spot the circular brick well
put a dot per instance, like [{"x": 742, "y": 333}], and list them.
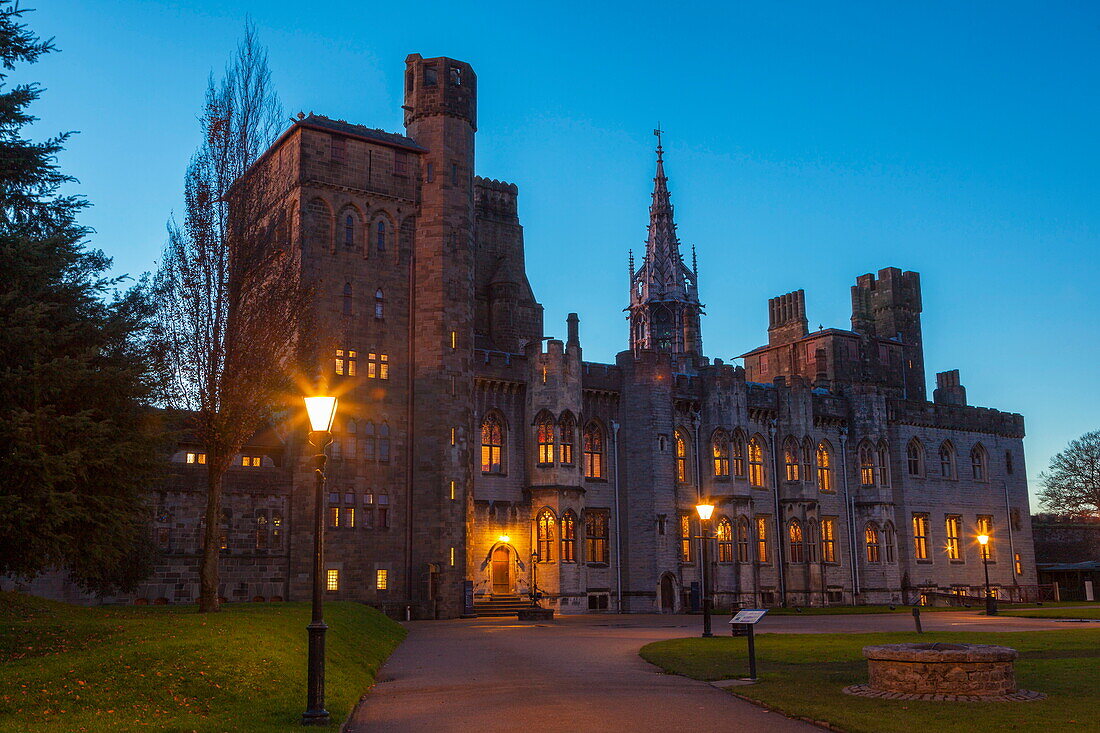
[{"x": 941, "y": 669}]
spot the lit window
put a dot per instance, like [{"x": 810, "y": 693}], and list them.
[
  {"x": 492, "y": 445},
  {"x": 545, "y": 526},
  {"x": 567, "y": 430},
  {"x": 454, "y": 339},
  {"x": 378, "y": 366},
  {"x": 871, "y": 537},
  {"x": 452, "y": 490},
  {"x": 828, "y": 539},
  {"x": 687, "y": 553},
  {"x": 762, "y": 539},
  {"x": 568, "y": 537},
  {"x": 1019, "y": 565},
  {"x": 345, "y": 362},
  {"x": 737, "y": 449},
  {"x": 593, "y": 450},
  {"x": 544, "y": 436},
  {"x": 796, "y": 548},
  {"x": 953, "y": 548},
  {"x": 349, "y": 517},
  {"x": 866, "y": 465},
  {"x": 332, "y": 579},
  {"x": 756, "y": 463},
  {"x": 681, "y": 457},
  {"x": 985, "y": 526},
  {"x": 196, "y": 458},
  {"x": 790, "y": 459},
  {"x": 724, "y": 535},
  {"x": 334, "y": 516},
  {"x": 720, "y": 453},
  {"x": 452, "y": 557},
  {"x": 454, "y": 436},
  {"x": 252, "y": 461},
  {"x": 920, "y": 536},
  {"x": 824, "y": 468},
  {"x": 381, "y": 579}
]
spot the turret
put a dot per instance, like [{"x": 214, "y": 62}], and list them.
[{"x": 889, "y": 307}]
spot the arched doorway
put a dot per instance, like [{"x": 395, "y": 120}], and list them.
[
  {"x": 668, "y": 594},
  {"x": 501, "y": 568}
]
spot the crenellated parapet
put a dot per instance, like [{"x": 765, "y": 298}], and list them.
[{"x": 956, "y": 417}]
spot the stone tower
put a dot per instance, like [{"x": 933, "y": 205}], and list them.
[
  {"x": 441, "y": 116},
  {"x": 664, "y": 295},
  {"x": 889, "y": 307}
]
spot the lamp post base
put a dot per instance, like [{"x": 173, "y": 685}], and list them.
[
  {"x": 990, "y": 606},
  {"x": 315, "y": 717}
]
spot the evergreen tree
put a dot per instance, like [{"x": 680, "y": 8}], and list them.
[{"x": 77, "y": 438}]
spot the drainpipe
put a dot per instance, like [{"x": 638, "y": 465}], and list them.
[
  {"x": 848, "y": 512},
  {"x": 618, "y": 524},
  {"x": 1011, "y": 541},
  {"x": 778, "y": 517}
]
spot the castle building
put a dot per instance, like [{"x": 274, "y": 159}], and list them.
[{"x": 471, "y": 454}]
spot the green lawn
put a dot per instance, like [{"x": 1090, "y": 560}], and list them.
[
  {"x": 803, "y": 674},
  {"x": 1090, "y": 613},
  {"x": 67, "y": 668},
  {"x": 896, "y": 608}
]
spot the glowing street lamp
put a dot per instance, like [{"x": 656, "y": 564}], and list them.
[
  {"x": 321, "y": 410},
  {"x": 705, "y": 511},
  {"x": 990, "y": 599}
]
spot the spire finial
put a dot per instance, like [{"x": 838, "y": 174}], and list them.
[{"x": 657, "y": 132}]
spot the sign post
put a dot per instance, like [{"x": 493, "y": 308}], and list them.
[{"x": 747, "y": 618}]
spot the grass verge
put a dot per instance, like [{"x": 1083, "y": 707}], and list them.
[
  {"x": 897, "y": 608},
  {"x": 803, "y": 674},
  {"x": 69, "y": 668},
  {"x": 1088, "y": 613}
]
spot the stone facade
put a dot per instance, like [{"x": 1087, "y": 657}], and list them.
[{"x": 468, "y": 449}]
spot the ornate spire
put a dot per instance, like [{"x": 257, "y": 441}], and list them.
[{"x": 664, "y": 298}]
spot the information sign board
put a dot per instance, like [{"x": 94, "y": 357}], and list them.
[{"x": 748, "y": 615}]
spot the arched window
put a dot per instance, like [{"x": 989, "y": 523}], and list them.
[
  {"x": 743, "y": 541},
  {"x": 824, "y": 467},
  {"x": 947, "y": 459},
  {"x": 790, "y": 458},
  {"x": 593, "y": 450},
  {"x": 811, "y": 541},
  {"x": 883, "y": 464},
  {"x": 888, "y": 542},
  {"x": 545, "y": 531},
  {"x": 866, "y": 464},
  {"x": 720, "y": 451},
  {"x": 379, "y": 303},
  {"x": 737, "y": 449},
  {"x": 349, "y": 229},
  {"x": 567, "y": 430},
  {"x": 828, "y": 539},
  {"x": 347, "y": 299},
  {"x": 380, "y": 235},
  {"x": 544, "y": 436},
  {"x": 756, "y": 462},
  {"x": 914, "y": 457},
  {"x": 596, "y": 526},
  {"x": 978, "y": 462},
  {"x": 807, "y": 460},
  {"x": 795, "y": 544},
  {"x": 724, "y": 536},
  {"x": 681, "y": 457},
  {"x": 384, "y": 443},
  {"x": 492, "y": 444},
  {"x": 370, "y": 442},
  {"x": 871, "y": 538},
  {"x": 569, "y": 537}
]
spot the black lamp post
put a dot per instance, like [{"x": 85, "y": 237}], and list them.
[
  {"x": 990, "y": 599},
  {"x": 705, "y": 510},
  {"x": 534, "y": 579},
  {"x": 321, "y": 411}
]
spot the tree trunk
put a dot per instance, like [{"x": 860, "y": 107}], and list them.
[{"x": 211, "y": 543}]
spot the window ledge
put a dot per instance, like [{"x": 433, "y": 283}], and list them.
[{"x": 598, "y": 564}]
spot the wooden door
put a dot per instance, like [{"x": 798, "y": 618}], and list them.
[
  {"x": 668, "y": 594},
  {"x": 501, "y": 581}
]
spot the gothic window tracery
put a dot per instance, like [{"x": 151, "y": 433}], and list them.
[
  {"x": 756, "y": 462},
  {"x": 720, "y": 453},
  {"x": 567, "y": 429},
  {"x": 544, "y": 437},
  {"x": 593, "y": 450},
  {"x": 492, "y": 444},
  {"x": 795, "y": 546},
  {"x": 824, "y": 467},
  {"x": 790, "y": 458},
  {"x": 569, "y": 536},
  {"x": 724, "y": 536},
  {"x": 545, "y": 531}
]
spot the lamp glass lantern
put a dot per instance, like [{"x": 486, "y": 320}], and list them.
[
  {"x": 705, "y": 511},
  {"x": 321, "y": 410}
]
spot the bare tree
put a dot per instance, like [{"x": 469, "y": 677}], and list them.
[
  {"x": 1071, "y": 485},
  {"x": 228, "y": 286}
]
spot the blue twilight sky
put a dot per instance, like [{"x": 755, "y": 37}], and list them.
[{"x": 807, "y": 143}]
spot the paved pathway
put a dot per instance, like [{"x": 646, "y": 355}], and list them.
[{"x": 584, "y": 673}]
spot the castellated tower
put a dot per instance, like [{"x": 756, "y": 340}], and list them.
[
  {"x": 889, "y": 307},
  {"x": 441, "y": 116}
]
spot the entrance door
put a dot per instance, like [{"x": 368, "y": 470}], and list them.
[
  {"x": 501, "y": 584},
  {"x": 668, "y": 594}
]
